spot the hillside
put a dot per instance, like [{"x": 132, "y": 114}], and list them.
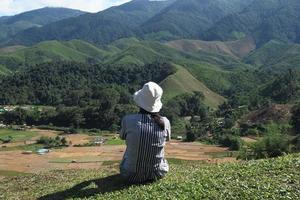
[
  {"x": 264, "y": 179},
  {"x": 51, "y": 51},
  {"x": 183, "y": 82},
  {"x": 189, "y": 18},
  {"x": 12, "y": 25},
  {"x": 263, "y": 20},
  {"x": 276, "y": 56}
]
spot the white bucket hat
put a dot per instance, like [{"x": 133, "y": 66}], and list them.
[{"x": 149, "y": 97}]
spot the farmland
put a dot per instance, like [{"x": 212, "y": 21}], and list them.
[{"x": 82, "y": 154}]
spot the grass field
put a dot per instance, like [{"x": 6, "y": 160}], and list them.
[
  {"x": 264, "y": 179},
  {"x": 28, "y": 147},
  {"x": 17, "y": 136},
  {"x": 115, "y": 141},
  {"x": 7, "y": 173}
]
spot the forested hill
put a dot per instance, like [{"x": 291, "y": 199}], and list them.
[
  {"x": 189, "y": 18},
  {"x": 262, "y": 20},
  {"x": 12, "y": 25}
]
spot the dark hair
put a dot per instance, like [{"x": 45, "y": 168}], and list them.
[{"x": 156, "y": 116}]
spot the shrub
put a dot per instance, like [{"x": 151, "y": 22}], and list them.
[
  {"x": 270, "y": 146},
  {"x": 52, "y": 142},
  {"x": 252, "y": 131},
  {"x": 6, "y": 140},
  {"x": 233, "y": 142},
  {"x": 190, "y": 136}
]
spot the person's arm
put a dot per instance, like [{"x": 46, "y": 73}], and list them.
[
  {"x": 168, "y": 129},
  {"x": 122, "y": 132}
]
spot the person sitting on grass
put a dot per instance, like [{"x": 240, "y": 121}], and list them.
[{"x": 145, "y": 134}]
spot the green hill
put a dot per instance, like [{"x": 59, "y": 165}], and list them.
[
  {"x": 183, "y": 82},
  {"x": 74, "y": 50},
  {"x": 264, "y": 179}
]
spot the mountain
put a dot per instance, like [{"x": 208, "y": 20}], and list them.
[
  {"x": 102, "y": 28},
  {"x": 218, "y": 20},
  {"x": 189, "y": 18},
  {"x": 11, "y": 25},
  {"x": 263, "y": 20}
]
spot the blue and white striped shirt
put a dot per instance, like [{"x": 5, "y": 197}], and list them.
[{"x": 144, "y": 156}]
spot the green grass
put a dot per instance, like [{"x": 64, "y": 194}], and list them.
[
  {"x": 225, "y": 154},
  {"x": 264, "y": 179},
  {"x": 18, "y": 136},
  {"x": 115, "y": 141},
  {"x": 86, "y": 159},
  {"x": 29, "y": 147}
]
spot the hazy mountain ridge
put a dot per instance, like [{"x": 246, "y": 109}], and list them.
[{"x": 11, "y": 25}]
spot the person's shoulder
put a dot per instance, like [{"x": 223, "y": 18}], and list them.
[{"x": 131, "y": 117}]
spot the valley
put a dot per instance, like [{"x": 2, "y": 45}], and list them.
[{"x": 230, "y": 75}]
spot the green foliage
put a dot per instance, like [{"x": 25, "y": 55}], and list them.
[
  {"x": 54, "y": 83},
  {"x": 275, "y": 142},
  {"x": 190, "y": 136},
  {"x": 271, "y": 146},
  {"x": 186, "y": 105}
]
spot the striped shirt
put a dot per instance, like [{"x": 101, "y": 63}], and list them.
[{"x": 145, "y": 140}]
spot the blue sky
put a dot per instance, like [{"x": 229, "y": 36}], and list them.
[{"x": 12, "y": 7}]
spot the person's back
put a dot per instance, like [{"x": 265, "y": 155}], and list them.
[{"x": 145, "y": 134}]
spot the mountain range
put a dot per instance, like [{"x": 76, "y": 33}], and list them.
[{"x": 221, "y": 48}]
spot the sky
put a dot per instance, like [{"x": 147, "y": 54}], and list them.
[{"x": 12, "y": 7}]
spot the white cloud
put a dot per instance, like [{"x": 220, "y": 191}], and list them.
[{"x": 11, "y": 7}]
